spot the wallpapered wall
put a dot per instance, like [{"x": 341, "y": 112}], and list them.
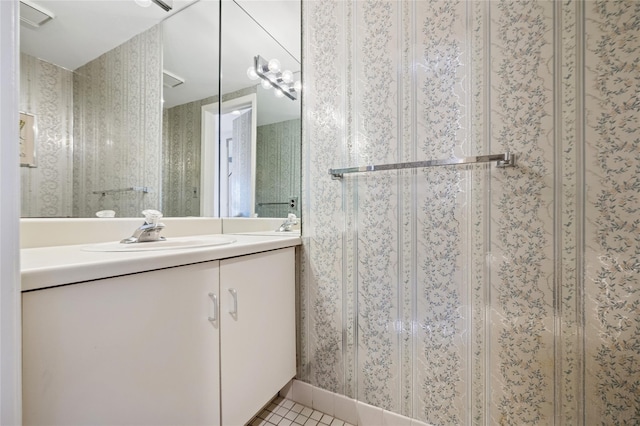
[
  {"x": 117, "y": 130},
  {"x": 474, "y": 295},
  {"x": 46, "y": 91}
]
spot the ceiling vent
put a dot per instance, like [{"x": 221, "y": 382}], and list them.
[
  {"x": 171, "y": 80},
  {"x": 33, "y": 15}
]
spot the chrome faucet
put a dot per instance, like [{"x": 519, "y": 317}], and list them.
[
  {"x": 149, "y": 231},
  {"x": 289, "y": 222}
]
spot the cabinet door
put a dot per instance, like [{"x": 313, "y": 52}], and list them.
[
  {"x": 137, "y": 349},
  {"x": 257, "y": 331}
]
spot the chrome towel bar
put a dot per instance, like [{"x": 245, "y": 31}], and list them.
[
  {"x": 502, "y": 160},
  {"x": 104, "y": 192}
]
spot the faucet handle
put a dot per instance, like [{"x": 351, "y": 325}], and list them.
[
  {"x": 149, "y": 231},
  {"x": 152, "y": 216},
  {"x": 288, "y": 223}
]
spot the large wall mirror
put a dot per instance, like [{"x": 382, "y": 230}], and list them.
[{"x": 131, "y": 113}]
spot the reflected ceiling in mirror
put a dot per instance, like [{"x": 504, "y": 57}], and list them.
[
  {"x": 81, "y": 31},
  {"x": 189, "y": 54}
]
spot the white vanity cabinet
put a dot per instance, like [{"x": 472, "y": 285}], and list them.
[
  {"x": 257, "y": 331},
  {"x": 171, "y": 346}
]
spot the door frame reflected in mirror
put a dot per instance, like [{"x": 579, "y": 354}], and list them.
[{"x": 214, "y": 177}]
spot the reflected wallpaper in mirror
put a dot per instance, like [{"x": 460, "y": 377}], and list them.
[{"x": 99, "y": 107}]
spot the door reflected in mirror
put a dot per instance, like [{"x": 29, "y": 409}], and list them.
[{"x": 238, "y": 153}]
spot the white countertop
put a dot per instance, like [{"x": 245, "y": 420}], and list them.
[{"x": 52, "y": 266}]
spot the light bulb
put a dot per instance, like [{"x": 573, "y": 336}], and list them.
[
  {"x": 265, "y": 84},
  {"x": 298, "y": 86},
  {"x": 143, "y": 3},
  {"x": 278, "y": 93},
  {"x": 287, "y": 76},
  {"x": 252, "y": 74},
  {"x": 274, "y": 65}
]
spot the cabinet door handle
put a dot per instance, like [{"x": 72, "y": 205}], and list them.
[
  {"x": 234, "y": 294},
  {"x": 214, "y": 298}
]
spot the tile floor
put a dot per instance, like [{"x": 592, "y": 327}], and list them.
[{"x": 285, "y": 412}]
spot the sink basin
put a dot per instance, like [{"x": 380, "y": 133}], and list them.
[{"x": 168, "y": 244}]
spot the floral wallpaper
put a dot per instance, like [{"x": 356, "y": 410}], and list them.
[
  {"x": 117, "y": 128},
  {"x": 612, "y": 225},
  {"x": 474, "y": 294},
  {"x": 46, "y": 91},
  {"x": 522, "y": 316}
]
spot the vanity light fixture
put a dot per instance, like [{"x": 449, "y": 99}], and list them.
[
  {"x": 166, "y": 5},
  {"x": 273, "y": 76}
]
